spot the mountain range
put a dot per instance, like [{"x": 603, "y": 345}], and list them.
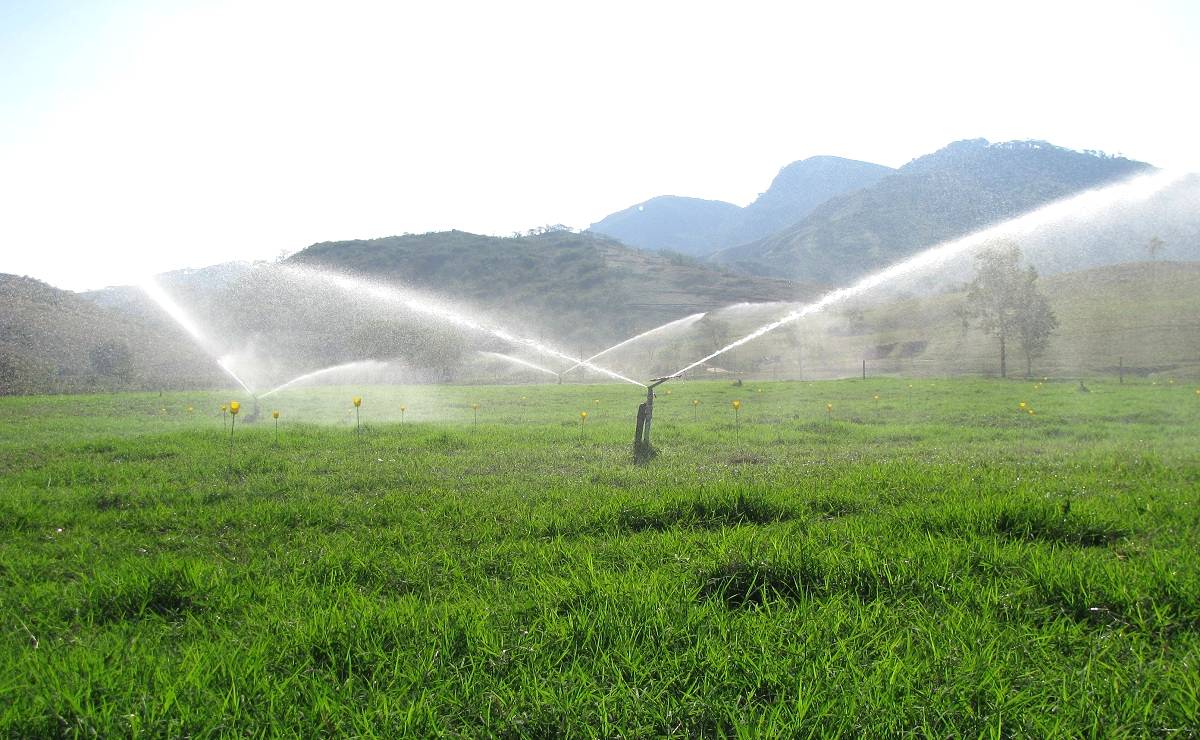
[
  {"x": 697, "y": 227},
  {"x": 829, "y": 220},
  {"x": 956, "y": 190},
  {"x": 823, "y": 222}
]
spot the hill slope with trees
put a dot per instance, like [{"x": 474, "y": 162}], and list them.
[
  {"x": 952, "y": 192},
  {"x": 54, "y": 340},
  {"x": 573, "y": 286}
]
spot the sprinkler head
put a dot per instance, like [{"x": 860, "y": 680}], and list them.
[
  {"x": 737, "y": 405},
  {"x": 583, "y": 415},
  {"x": 357, "y": 401},
  {"x": 234, "y": 406},
  {"x": 274, "y": 414},
  {"x": 660, "y": 381}
]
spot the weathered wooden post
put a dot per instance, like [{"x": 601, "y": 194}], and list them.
[{"x": 643, "y": 450}]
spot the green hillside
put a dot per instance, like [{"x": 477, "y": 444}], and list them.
[
  {"x": 53, "y": 340},
  {"x": 1144, "y": 315},
  {"x": 573, "y": 287},
  {"x": 952, "y": 192}
]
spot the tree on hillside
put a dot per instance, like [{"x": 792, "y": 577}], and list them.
[
  {"x": 1005, "y": 301},
  {"x": 1154, "y": 247},
  {"x": 794, "y": 336},
  {"x": 1035, "y": 320}
]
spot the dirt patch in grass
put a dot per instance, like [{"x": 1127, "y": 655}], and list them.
[{"x": 747, "y": 458}]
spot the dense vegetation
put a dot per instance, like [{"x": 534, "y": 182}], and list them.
[
  {"x": 574, "y": 287},
  {"x": 938, "y": 560}
]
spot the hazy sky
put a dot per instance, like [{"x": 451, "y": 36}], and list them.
[{"x": 146, "y": 136}]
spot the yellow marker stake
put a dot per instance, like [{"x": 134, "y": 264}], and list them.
[
  {"x": 234, "y": 407},
  {"x": 582, "y": 421},
  {"x": 357, "y": 401},
  {"x": 475, "y": 408},
  {"x": 275, "y": 416},
  {"x": 737, "y": 405}
]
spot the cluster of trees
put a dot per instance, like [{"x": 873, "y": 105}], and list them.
[{"x": 1005, "y": 302}]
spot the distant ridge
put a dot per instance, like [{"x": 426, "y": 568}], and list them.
[
  {"x": 951, "y": 192},
  {"x": 698, "y": 227}
]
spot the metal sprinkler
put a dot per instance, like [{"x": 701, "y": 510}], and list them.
[{"x": 642, "y": 449}]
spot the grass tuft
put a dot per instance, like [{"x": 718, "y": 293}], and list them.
[
  {"x": 140, "y": 590},
  {"x": 704, "y": 513},
  {"x": 1046, "y": 523}
]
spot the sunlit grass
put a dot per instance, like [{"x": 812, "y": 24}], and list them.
[{"x": 935, "y": 560}]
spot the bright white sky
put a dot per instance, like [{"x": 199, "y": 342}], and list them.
[{"x": 151, "y": 135}]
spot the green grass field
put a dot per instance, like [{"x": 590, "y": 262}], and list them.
[{"x": 939, "y": 562}]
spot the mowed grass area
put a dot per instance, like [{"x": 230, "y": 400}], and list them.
[{"x": 937, "y": 562}]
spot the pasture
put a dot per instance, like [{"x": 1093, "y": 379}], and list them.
[{"x": 938, "y": 561}]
